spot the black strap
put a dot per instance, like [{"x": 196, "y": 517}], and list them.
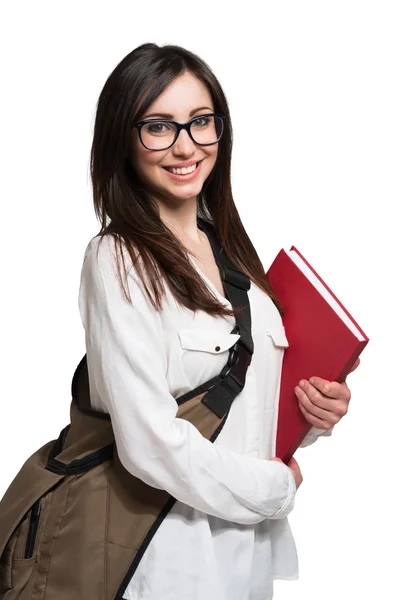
[
  {"x": 236, "y": 284},
  {"x": 232, "y": 378}
]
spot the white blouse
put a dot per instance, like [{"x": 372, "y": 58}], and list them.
[{"x": 227, "y": 537}]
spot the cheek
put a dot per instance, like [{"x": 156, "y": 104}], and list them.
[
  {"x": 210, "y": 161},
  {"x": 145, "y": 162}
]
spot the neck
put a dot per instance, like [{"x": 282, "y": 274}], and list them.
[{"x": 183, "y": 223}]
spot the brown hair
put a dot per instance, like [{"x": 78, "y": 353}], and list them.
[{"x": 127, "y": 211}]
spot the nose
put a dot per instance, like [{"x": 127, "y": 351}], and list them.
[{"x": 183, "y": 144}]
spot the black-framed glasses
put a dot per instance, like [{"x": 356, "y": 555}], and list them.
[{"x": 160, "y": 134}]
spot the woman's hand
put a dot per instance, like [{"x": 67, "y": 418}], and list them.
[
  {"x": 294, "y": 467},
  {"x": 323, "y": 403}
]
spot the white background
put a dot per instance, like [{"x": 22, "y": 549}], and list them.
[{"x": 314, "y": 94}]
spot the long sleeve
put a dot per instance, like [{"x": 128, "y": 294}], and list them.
[
  {"x": 313, "y": 435},
  {"x": 127, "y": 367}
]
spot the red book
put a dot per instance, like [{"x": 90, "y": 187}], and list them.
[{"x": 324, "y": 340}]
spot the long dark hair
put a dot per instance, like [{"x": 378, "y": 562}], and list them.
[{"x": 128, "y": 212}]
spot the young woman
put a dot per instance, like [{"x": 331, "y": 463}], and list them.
[{"x": 158, "y": 324}]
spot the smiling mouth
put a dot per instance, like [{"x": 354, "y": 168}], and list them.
[{"x": 183, "y": 170}]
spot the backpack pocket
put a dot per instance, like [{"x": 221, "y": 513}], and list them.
[{"x": 19, "y": 557}]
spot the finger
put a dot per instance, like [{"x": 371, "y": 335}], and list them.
[
  {"x": 323, "y": 408},
  {"x": 315, "y": 421},
  {"x": 354, "y": 367},
  {"x": 330, "y": 389},
  {"x": 338, "y": 403}
]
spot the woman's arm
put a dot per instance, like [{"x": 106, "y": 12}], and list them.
[{"x": 127, "y": 367}]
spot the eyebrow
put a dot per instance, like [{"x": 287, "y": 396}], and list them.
[{"x": 168, "y": 116}]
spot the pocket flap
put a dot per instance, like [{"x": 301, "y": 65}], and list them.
[
  {"x": 278, "y": 335},
  {"x": 207, "y": 340}
]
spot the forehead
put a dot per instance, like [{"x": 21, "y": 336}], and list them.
[{"x": 183, "y": 94}]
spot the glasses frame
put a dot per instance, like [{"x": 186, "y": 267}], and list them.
[{"x": 179, "y": 127}]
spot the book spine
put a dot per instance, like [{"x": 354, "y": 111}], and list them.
[
  {"x": 295, "y": 444},
  {"x": 344, "y": 366}
]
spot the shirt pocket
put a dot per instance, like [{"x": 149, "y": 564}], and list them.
[
  {"x": 204, "y": 353},
  {"x": 207, "y": 340}
]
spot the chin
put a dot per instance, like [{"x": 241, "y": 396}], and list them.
[{"x": 186, "y": 194}]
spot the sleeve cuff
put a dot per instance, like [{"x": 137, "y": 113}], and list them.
[
  {"x": 288, "y": 505},
  {"x": 314, "y": 434}
]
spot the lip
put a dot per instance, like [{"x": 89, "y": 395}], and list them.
[
  {"x": 184, "y": 178},
  {"x": 183, "y": 165}
]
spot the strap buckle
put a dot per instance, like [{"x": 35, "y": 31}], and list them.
[{"x": 238, "y": 361}]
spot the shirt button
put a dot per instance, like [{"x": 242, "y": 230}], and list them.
[{"x": 217, "y": 348}]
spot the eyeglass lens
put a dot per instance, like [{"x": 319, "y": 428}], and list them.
[{"x": 158, "y": 135}]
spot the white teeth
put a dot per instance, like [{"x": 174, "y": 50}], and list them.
[{"x": 182, "y": 171}]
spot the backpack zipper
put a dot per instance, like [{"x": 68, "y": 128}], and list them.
[{"x": 32, "y": 529}]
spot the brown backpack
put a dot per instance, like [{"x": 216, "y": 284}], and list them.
[{"x": 74, "y": 523}]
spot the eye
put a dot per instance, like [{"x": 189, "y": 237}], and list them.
[
  {"x": 201, "y": 122},
  {"x": 158, "y": 127}
]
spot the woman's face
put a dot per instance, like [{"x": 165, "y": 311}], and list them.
[{"x": 183, "y": 99}]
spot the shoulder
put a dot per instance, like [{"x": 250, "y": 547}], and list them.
[
  {"x": 106, "y": 255},
  {"x": 101, "y": 249},
  {"x": 108, "y": 269},
  {"x": 108, "y": 298}
]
